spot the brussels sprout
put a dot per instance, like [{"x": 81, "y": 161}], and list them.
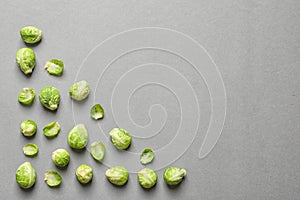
[
  {"x": 31, "y": 34},
  {"x": 147, "y": 178},
  {"x": 117, "y": 175},
  {"x": 174, "y": 175},
  {"x": 52, "y": 129},
  {"x": 26, "y": 96},
  {"x": 78, "y": 137},
  {"x": 30, "y": 149},
  {"x": 26, "y": 175},
  {"x": 147, "y": 156},
  {"x": 120, "y": 138},
  {"x": 49, "y": 97},
  {"x": 26, "y": 60},
  {"x": 28, "y": 128},
  {"x": 61, "y": 157},
  {"x": 55, "y": 67},
  {"x": 84, "y": 174},
  {"x": 97, "y": 112},
  {"x": 97, "y": 150},
  {"x": 53, "y": 178},
  {"x": 79, "y": 91}
]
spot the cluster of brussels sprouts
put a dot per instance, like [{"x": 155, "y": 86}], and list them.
[{"x": 49, "y": 98}]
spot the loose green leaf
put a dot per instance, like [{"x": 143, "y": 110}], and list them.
[
  {"x": 147, "y": 156},
  {"x": 78, "y": 137},
  {"x": 117, "y": 175},
  {"x": 97, "y": 112},
  {"x": 26, "y": 60},
  {"x": 31, "y": 34},
  {"x": 147, "y": 178},
  {"x": 52, "y": 129},
  {"x": 26, "y": 96},
  {"x": 53, "y": 178},
  {"x": 25, "y": 175},
  {"x": 97, "y": 150},
  {"x": 30, "y": 149},
  {"x": 55, "y": 67},
  {"x": 120, "y": 138},
  {"x": 49, "y": 97},
  {"x": 28, "y": 128},
  {"x": 79, "y": 91},
  {"x": 174, "y": 175},
  {"x": 84, "y": 174}
]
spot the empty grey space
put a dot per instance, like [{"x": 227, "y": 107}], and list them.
[{"x": 256, "y": 46}]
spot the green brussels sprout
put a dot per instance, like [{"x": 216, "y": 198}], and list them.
[
  {"x": 31, "y": 34},
  {"x": 52, "y": 129},
  {"x": 26, "y": 60},
  {"x": 120, "y": 138},
  {"x": 174, "y": 175},
  {"x": 117, "y": 175},
  {"x": 84, "y": 174},
  {"x": 79, "y": 91},
  {"x": 49, "y": 97},
  {"x": 28, "y": 128},
  {"x": 26, "y": 96},
  {"x": 97, "y": 112},
  {"x": 78, "y": 137},
  {"x": 30, "y": 149},
  {"x": 55, "y": 67},
  {"x": 26, "y": 175},
  {"x": 97, "y": 150},
  {"x": 147, "y": 178},
  {"x": 53, "y": 178},
  {"x": 61, "y": 157},
  {"x": 147, "y": 156}
]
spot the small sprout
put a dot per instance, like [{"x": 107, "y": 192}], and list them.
[
  {"x": 117, "y": 175},
  {"x": 30, "y": 149},
  {"x": 53, "y": 178},
  {"x": 97, "y": 112},
  {"x": 55, "y": 67},
  {"x": 28, "y": 128},
  {"x": 61, "y": 157},
  {"x": 84, "y": 174},
  {"x": 174, "y": 175},
  {"x": 31, "y": 34},
  {"x": 26, "y": 60},
  {"x": 120, "y": 138},
  {"x": 78, "y": 137},
  {"x": 79, "y": 91},
  {"x": 97, "y": 150},
  {"x": 52, "y": 129},
  {"x": 147, "y": 178},
  {"x": 25, "y": 175},
  {"x": 147, "y": 156},
  {"x": 26, "y": 96},
  {"x": 49, "y": 97}
]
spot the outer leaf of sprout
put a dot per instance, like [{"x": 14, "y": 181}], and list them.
[
  {"x": 30, "y": 149},
  {"x": 53, "y": 178},
  {"x": 97, "y": 112},
  {"x": 97, "y": 150}
]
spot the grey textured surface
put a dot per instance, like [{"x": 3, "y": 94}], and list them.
[{"x": 256, "y": 47}]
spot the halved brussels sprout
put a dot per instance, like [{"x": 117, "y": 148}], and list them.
[
  {"x": 28, "y": 128},
  {"x": 25, "y": 175},
  {"x": 84, "y": 174},
  {"x": 120, "y": 138},
  {"x": 117, "y": 175},
  {"x": 174, "y": 175},
  {"x": 26, "y": 96},
  {"x": 31, "y": 34},
  {"x": 26, "y": 60},
  {"x": 55, "y": 67},
  {"x": 78, "y": 137},
  {"x": 49, "y": 97}
]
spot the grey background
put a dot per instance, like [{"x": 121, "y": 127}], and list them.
[{"x": 254, "y": 43}]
